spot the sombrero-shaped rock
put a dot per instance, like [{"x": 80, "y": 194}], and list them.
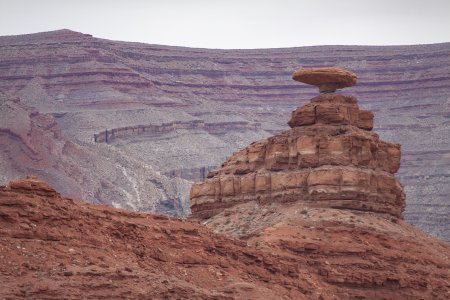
[{"x": 326, "y": 79}]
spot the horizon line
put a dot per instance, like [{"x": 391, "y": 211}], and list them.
[{"x": 225, "y": 49}]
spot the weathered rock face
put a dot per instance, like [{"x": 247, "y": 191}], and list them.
[
  {"x": 285, "y": 251},
  {"x": 328, "y": 159},
  {"x": 32, "y": 185},
  {"x": 335, "y": 109},
  {"x": 32, "y": 143}
]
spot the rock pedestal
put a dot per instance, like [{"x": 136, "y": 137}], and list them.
[{"x": 329, "y": 158}]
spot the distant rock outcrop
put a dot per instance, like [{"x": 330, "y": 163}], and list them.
[{"x": 328, "y": 159}]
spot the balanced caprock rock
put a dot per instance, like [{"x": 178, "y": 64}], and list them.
[
  {"x": 323, "y": 194},
  {"x": 328, "y": 80},
  {"x": 328, "y": 159}
]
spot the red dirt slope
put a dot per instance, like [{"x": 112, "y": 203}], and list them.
[{"x": 57, "y": 248}]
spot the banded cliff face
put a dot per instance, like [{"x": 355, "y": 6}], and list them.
[
  {"x": 91, "y": 85},
  {"x": 166, "y": 128},
  {"x": 32, "y": 143}
]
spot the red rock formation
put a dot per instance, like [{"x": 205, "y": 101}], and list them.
[
  {"x": 324, "y": 194},
  {"x": 332, "y": 109},
  {"x": 53, "y": 247},
  {"x": 328, "y": 159}
]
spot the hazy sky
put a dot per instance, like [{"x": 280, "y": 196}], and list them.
[{"x": 237, "y": 23}]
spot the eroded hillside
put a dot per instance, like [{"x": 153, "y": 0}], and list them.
[{"x": 57, "y": 248}]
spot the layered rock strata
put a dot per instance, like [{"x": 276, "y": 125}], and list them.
[
  {"x": 165, "y": 128},
  {"x": 92, "y": 84},
  {"x": 329, "y": 158},
  {"x": 33, "y": 143}
]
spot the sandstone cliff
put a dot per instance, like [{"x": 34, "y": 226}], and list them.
[
  {"x": 328, "y": 159},
  {"x": 90, "y": 84}
]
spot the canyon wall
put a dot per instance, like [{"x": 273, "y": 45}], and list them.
[
  {"x": 91, "y": 84},
  {"x": 165, "y": 128},
  {"x": 32, "y": 143}
]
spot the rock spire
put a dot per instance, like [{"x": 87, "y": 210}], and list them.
[{"x": 329, "y": 158}]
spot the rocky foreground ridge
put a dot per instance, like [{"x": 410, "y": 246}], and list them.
[
  {"x": 88, "y": 85},
  {"x": 57, "y": 248}
]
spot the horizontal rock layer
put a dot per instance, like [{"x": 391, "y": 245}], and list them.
[
  {"x": 313, "y": 146},
  {"x": 326, "y": 186},
  {"x": 149, "y": 130},
  {"x": 332, "y": 109}
]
